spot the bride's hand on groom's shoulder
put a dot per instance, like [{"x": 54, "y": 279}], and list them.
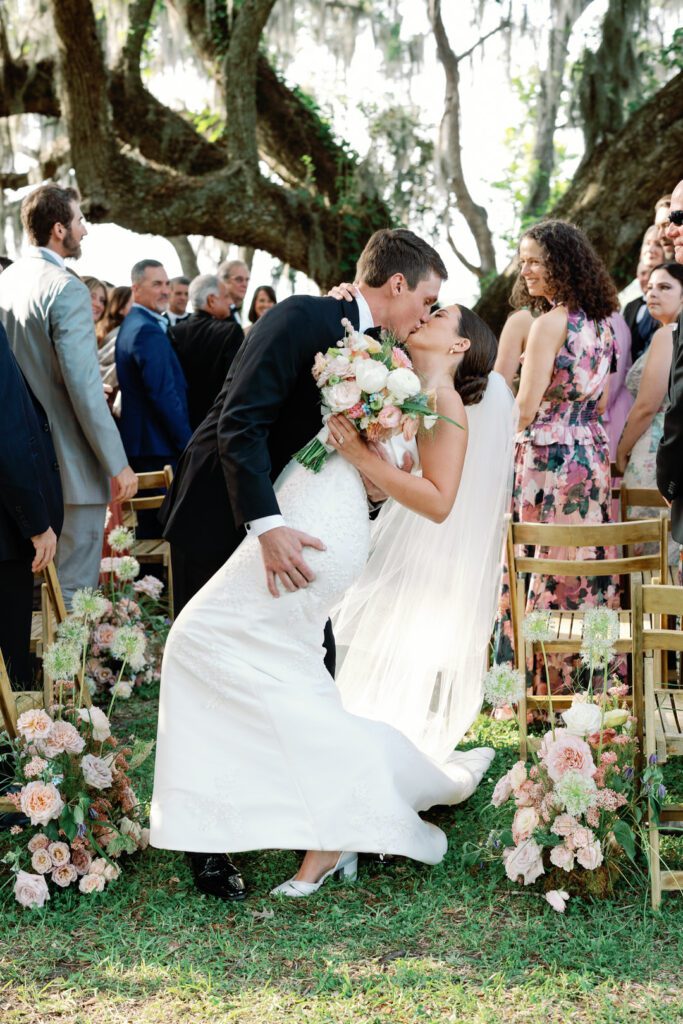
[{"x": 345, "y": 291}]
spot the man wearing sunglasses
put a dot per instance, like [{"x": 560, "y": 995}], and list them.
[{"x": 670, "y": 451}]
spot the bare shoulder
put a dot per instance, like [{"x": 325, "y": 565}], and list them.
[{"x": 550, "y": 326}]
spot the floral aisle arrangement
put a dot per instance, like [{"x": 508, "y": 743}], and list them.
[
  {"x": 127, "y": 602},
  {"x": 71, "y": 774},
  {"x": 372, "y": 382},
  {"x": 580, "y": 804}
]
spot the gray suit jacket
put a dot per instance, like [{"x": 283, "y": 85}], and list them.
[{"x": 47, "y": 314}]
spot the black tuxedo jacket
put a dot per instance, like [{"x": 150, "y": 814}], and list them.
[
  {"x": 670, "y": 451},
  {"x": 30, "y": 487},
  {"x": 205, "y": 348},
  {"x": 268, "y": 408},
  {"x": 641, "y": 333}
]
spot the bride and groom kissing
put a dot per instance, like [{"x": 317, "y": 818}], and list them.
[{"x": 255, "y": 748}]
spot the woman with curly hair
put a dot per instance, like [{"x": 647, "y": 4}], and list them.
[{"x": 562, "y": 459}]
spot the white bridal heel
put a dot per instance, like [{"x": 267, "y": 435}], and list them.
[{"x": 346, "y": 867}]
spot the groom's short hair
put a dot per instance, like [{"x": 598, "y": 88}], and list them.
[{"x": 398, "y": 251}]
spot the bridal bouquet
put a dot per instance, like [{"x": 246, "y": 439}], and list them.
[
  {"x": 580, "y": 803},
  {"x": 373, "y": 383},
  {"x": 127, "y": 601},
  {"x": 70, "y": 775}
]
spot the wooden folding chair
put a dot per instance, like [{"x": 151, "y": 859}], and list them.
[
  {"x": 567, "y": 626},
  {"x": 654, "y": 607},
  {"x": 631, "y": 499},
  {"x": 154, "y": 549}
]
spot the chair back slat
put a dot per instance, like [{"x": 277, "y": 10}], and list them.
[
  {"x": 639, "y": 531},
  {"x": 588, "y": 566},
  {"x": 663, "y": 600},
  {"x": 8, "y": 706},
  {"x": 159, "y": 480},
  {"x": 54, "y": 592}
]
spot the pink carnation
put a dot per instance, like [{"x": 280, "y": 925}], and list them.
[
  {"x": 529, "y": 794},
  {"x": 401, "y": 358},
  {"x": 501, "y": 792},
  {"x": 568, "y": 753},
  {"x": 390, "y": 417},
  {"x": 562, "y": 856},
  {"x": 564, "y": 825}
]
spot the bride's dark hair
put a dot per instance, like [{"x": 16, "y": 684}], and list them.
[{"x": 472, "y": 374}]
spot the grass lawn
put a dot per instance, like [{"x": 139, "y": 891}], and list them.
[{"x": 406, "y": 943}]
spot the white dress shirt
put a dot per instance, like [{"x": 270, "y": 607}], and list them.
[{"x": 258, "y": 526}]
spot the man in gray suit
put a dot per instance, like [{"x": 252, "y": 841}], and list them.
[{"x": 47, "y": 314}]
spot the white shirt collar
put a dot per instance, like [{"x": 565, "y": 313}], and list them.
[
  {"x": 163, "y": 322},
  {"x": 365, "y": 320},
  {"x": 51, "y": 255}
]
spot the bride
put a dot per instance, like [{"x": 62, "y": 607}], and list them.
[
  {"x": 255, "y": 750},
  {"x": 414, "y": 630}
]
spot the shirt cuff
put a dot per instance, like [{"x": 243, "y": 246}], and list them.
[{"x": 258, "y": 526}]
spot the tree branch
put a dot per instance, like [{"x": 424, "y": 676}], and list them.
[
  {"x": 450, "y": 146},
  {"x": 473, "y": 269},
  {"x": 505, "y": 23},
  {"x": 239, "y": 77}
]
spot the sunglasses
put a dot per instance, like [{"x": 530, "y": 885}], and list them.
[{"x": 676, "y": 217}]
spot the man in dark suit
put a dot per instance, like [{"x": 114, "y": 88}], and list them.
[
  {"x": 641, "y": 323},
  {"x": 268, "y": 408},
  {"x": 154, "y": 423},
  {"x": 670, "y": 451},
  {"x": 206, "y": 344},
  {"x": 31, "y": 510}
]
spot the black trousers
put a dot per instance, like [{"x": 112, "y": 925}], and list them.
[
  {"x": 16, "y": 604},
  {"x": 191, "y": 573}
]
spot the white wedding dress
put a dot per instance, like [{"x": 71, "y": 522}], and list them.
[{"x": 254, "y": 749}]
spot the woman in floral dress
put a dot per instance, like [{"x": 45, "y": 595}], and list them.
[
  {"x": 562, "y": 461},
  {"x": 648, "y": 380}
]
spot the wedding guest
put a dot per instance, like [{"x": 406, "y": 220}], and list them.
[
  {"x": 98, "y": 298},
  {"x": 31, "y": 510},
  {"x": 662, "y": 210},
  {"x": 639, "y": 321},
  {"x": 513, "y": 339},
  {"x": 48, "y": 316},
  {"x": 154, "y": 421},
  {"x": 178, "y": 298},
  {"x": 235, "y": 273},
  {"x": 206, "y": 344},
  {"x": 647, "y": 381},
  {"x": 670, "y": 451},
  {"x": 118, "y": 307},
  {"x": 562, "y": 462},
  {"x": 619, "y": 398},
  {"x": 263, "y": 300}
]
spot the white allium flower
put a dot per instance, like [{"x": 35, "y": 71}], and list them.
[
  {"x": 576, "y": 791},
  {"x": 600, "y": 632},
  {"x": 62, "y": 660},
  {"x": 536, "y": 627},
  {"x": 130, "y": 645},
  {"x": 503, "y": 684},
  {"x": 73, "y": 631},
  {"x": 122, "y": 689},
  {"x": 128, "y": 568},
  {"x": 120, "y": 539},
  {"x": 88, "y": 603}
]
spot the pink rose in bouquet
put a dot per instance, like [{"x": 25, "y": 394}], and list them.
[{"x": 567, "y": 753}]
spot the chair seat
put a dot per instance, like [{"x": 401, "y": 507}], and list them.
[
  {"x": 153, "y": 550},
  {"x": 567, "y": 630}
]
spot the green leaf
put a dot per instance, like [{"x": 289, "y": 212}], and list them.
[
  {"x": 506, "y": 837},
  {"x": 141, "y": 751},
  {"x": 624, "y": 836}
]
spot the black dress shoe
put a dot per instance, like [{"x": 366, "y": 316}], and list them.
[{"x": 216, "y": 875}]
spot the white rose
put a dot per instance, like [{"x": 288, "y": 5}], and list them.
[
  {"x": 403, "y": 384},
  {"x": 582, "y": 719},
  {"x": 98, "y": 720},
  {"x": 130, "y": 828},
  {"x": 91, "y": 883},
  {"x": 525, "y": 862},
  {"x": 96, "y": 772},
  {"x": 371, "y": 375},
  {"x": 30, "y": 890},
  {"x": 342, "y": 396},
  {"x": 517, "y": 774},
  {"x": 526, "y": 819},
  {"x": 615, "y": 717}
]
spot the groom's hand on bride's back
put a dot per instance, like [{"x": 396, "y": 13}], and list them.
[{"x": 282, "y": 552}]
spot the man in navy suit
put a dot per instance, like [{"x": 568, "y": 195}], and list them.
[
  {"x": 154, "y": 423},
  {"x": 31, "y": 509}
]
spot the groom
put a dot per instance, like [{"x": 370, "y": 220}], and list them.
[{"x": 268, "y": 408}]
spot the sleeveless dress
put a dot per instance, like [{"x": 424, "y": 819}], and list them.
[
  {"x": 562, "y": 476},
  {"x": 254, "y": 748}
]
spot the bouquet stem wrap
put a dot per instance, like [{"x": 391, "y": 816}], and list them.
[{"x": 315, "y": 454}]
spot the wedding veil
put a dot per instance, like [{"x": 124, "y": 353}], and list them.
[{"x": 413, "y": 632}]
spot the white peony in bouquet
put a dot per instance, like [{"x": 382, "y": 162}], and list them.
[{"x": 372, "y": 383}]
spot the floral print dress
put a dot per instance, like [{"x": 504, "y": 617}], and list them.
[{"x": 562, "y": 476}]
